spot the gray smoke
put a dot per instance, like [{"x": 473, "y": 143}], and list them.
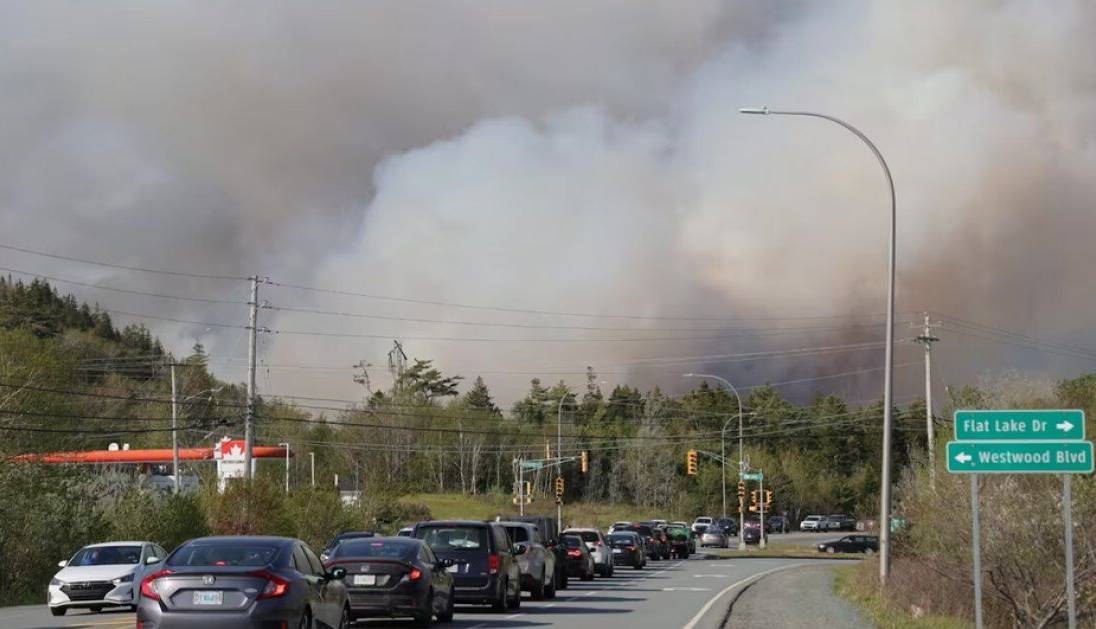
[{"x": 581, "y": 157}]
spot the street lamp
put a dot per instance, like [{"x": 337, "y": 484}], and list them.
[
  {"x": 723, "y": 453},
  {"x": 286, "y": 445},
  {"x": 559, "y": 451},
  {"x": 888, "y": 376}
]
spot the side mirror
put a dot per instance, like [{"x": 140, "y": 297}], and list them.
[
  {"x": 337, "y": 573},
  {"x": 152, "y": 560},
  {"x": 62, "y": 564},
  {"x": 518, "y": 550}
]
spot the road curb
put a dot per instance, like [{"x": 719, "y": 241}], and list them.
[{"x": 700, "y": 620}]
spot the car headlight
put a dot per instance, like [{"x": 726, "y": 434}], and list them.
[
  {"x": 56, "y": 581},
  {"x": 123, "y": 579}
]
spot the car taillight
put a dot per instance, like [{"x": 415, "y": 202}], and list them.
[
  {"x": 574, "y": 553},
  {"x": 415, "y": 574},
  {"x": 148, "y": 587},
  {"x": 275, "y": 585},
  {"x": 493, "y": 564}
]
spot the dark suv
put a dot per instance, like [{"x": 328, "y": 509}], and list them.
[
  {"x": 550, "y": 532},
  {"x": 655, "y": 547},
  {"x": 485, "y": 570}
]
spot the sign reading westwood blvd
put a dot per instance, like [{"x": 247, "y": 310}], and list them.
[
  {"x": 752, "y": 476},
  {"x": 1019, "y": 425},
  {"x": 1020, "y": 457}
]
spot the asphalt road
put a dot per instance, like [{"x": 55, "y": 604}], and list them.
[
  {"x": 767, "y": 603},
  {"x": 692, "y": 594}
]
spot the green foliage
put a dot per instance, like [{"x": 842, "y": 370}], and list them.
[{"x": 255, "y": 507}]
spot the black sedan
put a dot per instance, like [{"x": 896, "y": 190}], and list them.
[
  {"x": 580, "y": 563},
  {"x": 851, "y": 544},
  {"x": 241, "y": 583},
  {"x": 628, "y": 549},
  {"x": 395, "y": 576}
]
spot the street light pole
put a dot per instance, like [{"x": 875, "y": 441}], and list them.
[
  {"x": 559, "y": 454},
  {"x": 286, "y": 445},
  {"x": 888, "y": 367},
  {"x": 723, "y": 453}
]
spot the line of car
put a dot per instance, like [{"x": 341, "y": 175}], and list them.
[{"x": 422, "y": 573}]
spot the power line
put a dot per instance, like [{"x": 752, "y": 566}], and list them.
[
  {"x": 54, "y": 278},
  {"x": 123, "y": 266}
]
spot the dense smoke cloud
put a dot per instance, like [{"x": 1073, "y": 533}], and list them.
[{"x": 580, "y": 157}]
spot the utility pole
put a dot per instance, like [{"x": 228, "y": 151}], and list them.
[
  {"x": 174, "y": 432},
  {"x": 312, "y": 464},
  {"x": 927, "y": 339},
  {"x": 253, "y": 329},
  {"x": 363, "y": 378}
]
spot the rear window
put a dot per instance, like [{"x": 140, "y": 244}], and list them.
[
  {"x": 224, "y": 554},
  {"x": 572, "y": 542},
  {"x": 643, "y": 530},
  {"x": 518, "y": 534},
  {"x": 388, "y": 549},
  {"x": 623, "y": 540},
  {"x": 450, "y": 538},
  {"x": 587, "y": 536}
]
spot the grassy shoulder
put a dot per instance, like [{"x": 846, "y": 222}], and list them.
[
  {"x": 854, "y": 583},
  {"x": 780, "y": 551},
  {"x": 487, "y": 506}
]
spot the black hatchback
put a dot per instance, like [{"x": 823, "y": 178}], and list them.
[
  {"x": 851, "y": 544},
  {"x": 395, "y": 576},
  {"x": 485, "y": 568}
]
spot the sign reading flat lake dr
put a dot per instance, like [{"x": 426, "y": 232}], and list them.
[
  {"x": 1020, "y": 457},
  {"x": 1019, "y": 425}
]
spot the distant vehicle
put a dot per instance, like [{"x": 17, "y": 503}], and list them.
[
  {"x": 811, "y": 523},
  {"x": 628, "y": 549},
  {"x": 777, "y": 524},
  {"x": 603, "y": 556},
  {"x": 406, "y": 531},
  {"x": 714, "y": 536},
  {"x": 659, "y": 522},
  {"x": 752, "y": 534},
  {"x": 851, "y": 544},
  {"x": 537, "y": 563},
  {"x": 619, "y": 526},
  {"x": 580, "y": 563},
  {"x": 701, "y": 523},
  {"x": 840, "y": 522},
  {"x": 692, "y": 534},
  {"x": 652, "y": 542},
  {"x": 729, "y": 525},
  {"x": 680, "y": 537},
  {"x": 102, "y": 575},
  {"x": 341, "y": 537},
  {"x": 549, "y": 530},
  {"x": 488, "y": 572},
  {"x": 395, "y": 577},
  {"x": 243, "y": 582}
]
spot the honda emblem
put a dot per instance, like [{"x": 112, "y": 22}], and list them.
[{"x": 209, "y": 579}]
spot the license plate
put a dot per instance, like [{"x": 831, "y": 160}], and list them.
[
  {"x": 365, "y": 579},
  {"x": 617, "y": 551},
  {"x": 209, "y": 598},
  {"x": 455, "y": 568}
]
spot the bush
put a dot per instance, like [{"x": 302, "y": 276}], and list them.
[{"x": 247, "y": 507}]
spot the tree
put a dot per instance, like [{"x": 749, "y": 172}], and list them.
[
  {"x": 425, "y": 381},
  {"x": 478, "y": 398},
  {"x": 530, "y": 409}
]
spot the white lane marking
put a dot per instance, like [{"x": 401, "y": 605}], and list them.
[
  {"x": 686, "y": 589},
  {"x": 512, "y": 616},
  {"x": 709, "y": 576},
  {"x": 549, "y": 605},
  {"x": 704, "y": 610},
  {"x": 592, "y": 593}
]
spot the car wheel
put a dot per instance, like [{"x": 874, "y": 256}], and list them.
[
  {"x": 447, "y": 615},
  {"x": 550, "y": 588},
  {"x": 306, "y": 621},
  {"x": 611, "y": 569},
  {"x": 562, "y": 585},
  {"x": 869, "y": 551},
  {"x": 96, "y": 609},
  {"x": 538, "y": 587},
  {"x": 426, "y": 618},
  {"x": 58, "y": 611},
  {"x": 831, "y": 550},
  {"x": 515, "y": 602},
  {"x": 344, "y": 621},
  {"x": 501, "y": 602}
]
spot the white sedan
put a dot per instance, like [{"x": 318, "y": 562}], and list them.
[{"x": 103, "y": 575}]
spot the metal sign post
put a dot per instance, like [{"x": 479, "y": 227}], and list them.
[
  {"x": 1067, "y": 517},
  {"x": 976, "y": 542}
]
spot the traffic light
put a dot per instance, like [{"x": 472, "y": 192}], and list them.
[
  {"x": 559, "y": 487},
  {"x": 690, "y": 463},
  {"x": 527, "y": 490},
  {"x": 741, "y": 489},
  {"x": 584, "y": 462},
  {"x": 754, "y": 495},
  {"x": 768, "y": 498}
]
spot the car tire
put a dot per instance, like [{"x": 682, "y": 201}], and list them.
[
  {"x": 58, "y": 611},
  {"x": 500, "y": 604},
  {"x": 539, "y": 587},
  {"x": 344, "y": 620},
  {"x": 550, "y": 588},
  {"x": 515, "y": 602},
  {"x": 869, "y": 551},
  {"x": 831, "y": 550},
  {"x": 562, "y": 585},
  {"x": 306, "y": 620},
  {"x": 447, "y": 615},
  {"x": 96, "y": 609},
  {"x": 611, "y": 570}
]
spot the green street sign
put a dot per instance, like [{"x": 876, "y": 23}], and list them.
[
  {"x": 531, "y": 465},
  {"x": 1020, "y": 457},
  {"x": 1019, "y": 425},
  {"x": 752, "y": 476}
]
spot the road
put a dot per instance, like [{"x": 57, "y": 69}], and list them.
[
  {"x": 694, "y": 593},
  {"x": 766, "y": 604}
]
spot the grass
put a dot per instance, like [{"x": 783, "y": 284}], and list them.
[
  {"x": 851, "y": 584},
  {"x": 780, "y": 551},
  {"x": 487, "y": 506}
]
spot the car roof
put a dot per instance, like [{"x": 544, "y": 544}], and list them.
[
  {"x": 244, "y": 539},
  {"x": 483, "y": 523},
  {"x": 583, "y": 529},
  {"x": 521, "y": 524},
  {"x": 123, "y": 543}
]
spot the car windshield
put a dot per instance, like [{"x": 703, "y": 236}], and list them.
[
  {"x": 573, "y": 542},
  {"x": 225, "y": 553},
  {"x": 107, "y": 556},
  {"x": 386, "y": 549},
  {"x": 622, "y": 540},
  {"x": 812, "y": 518},
  {"x": 450, "y": 538},
  {"x": 518, "y": 534},
  {"x": 587, "y": 536}
]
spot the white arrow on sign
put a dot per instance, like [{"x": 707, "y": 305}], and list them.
[
  {"x": 963, "y": 457},
  {"x": 1065, "y": 426}
]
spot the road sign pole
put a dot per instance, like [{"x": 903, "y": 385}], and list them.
[
  {"x": 521, "y": 489},
  {"x": 1067, "y": 516},
  {"x": 975, "y": 540},
  {"x": 761, "y": 508}
]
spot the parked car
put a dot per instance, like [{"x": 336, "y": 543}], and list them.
[
  {"x": 714, "y": 536},
  {"x": 851, "y": 544},
  {"x": 628, "y": 549},
  {"x": 102, "y": 575},
  {"x": 345, "y": 535},
  {"x": 811, "y": 523},
  {"x": 777, "y": 524},
  {"x": 679, "y": 541},
  {"x": 487, "y": 568},
  {"x": 395, "y": 577},
  {"x": 840, "y": 522},
  {"x": 603, "y": 556},
  {"x": 652, "y": 544},
  {"x": 580, "y": 563},
  {"x": 214, "y": 582},
  {"x": 549, "y": 529},
  {"x": 752, "y": 534},
  {"x": 701, "y": 523},
  {"x": 729, "y": 525},
  {"x": 537, "y": 563}
]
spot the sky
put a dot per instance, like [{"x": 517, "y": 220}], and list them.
[{"x": 527, "y": 188}]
